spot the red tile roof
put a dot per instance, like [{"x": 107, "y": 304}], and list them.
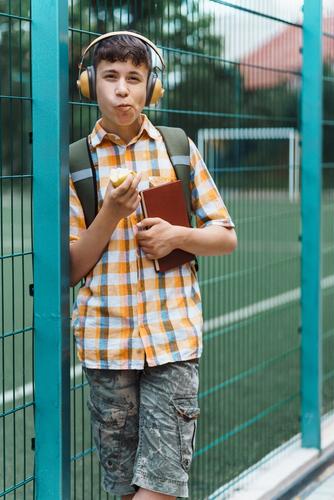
[{"x": 281, "y": 57}]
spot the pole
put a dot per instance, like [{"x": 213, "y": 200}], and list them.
[
  {"x": 51, "y": 286},
  {"x": 311, "y": 344}
]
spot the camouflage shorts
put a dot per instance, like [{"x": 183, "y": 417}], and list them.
[{"x": 144, "y": 426}]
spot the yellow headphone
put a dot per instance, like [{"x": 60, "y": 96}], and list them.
[{"x": 87, "y": 79}]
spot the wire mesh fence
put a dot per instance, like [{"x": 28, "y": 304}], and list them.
[
  {"x": 16, "y": 338},
  {"x": 327, "y": 207},
  {"x": 231, "y": 66}
]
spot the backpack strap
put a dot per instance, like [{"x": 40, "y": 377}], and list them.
[
  {"x": 178, "y": 149},
  {"x": 83, "y": 174}
]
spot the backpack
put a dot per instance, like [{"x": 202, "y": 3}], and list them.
[{"x": 83, "y": 174}]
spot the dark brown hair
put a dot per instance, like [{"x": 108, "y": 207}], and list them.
[{"x": 121, "y": 48}]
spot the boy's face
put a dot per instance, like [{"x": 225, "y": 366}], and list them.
[{"x": 121, "y": 95}]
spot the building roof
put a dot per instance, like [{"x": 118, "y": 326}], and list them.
[{"x": 281, "y": 57}]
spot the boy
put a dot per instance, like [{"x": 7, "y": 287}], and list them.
[{"x": 138, "y": 332}]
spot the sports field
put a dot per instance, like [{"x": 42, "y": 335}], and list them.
[{"x": 249, "y": 394}]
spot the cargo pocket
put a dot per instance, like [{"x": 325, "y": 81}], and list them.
[
  {"x": 187, "y": 411},
  {"x": 108, "y": 429}
]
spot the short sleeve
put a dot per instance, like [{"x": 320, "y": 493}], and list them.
[
  {"x": 207, "y": 203},
  {"x": 77, "y": 219}
]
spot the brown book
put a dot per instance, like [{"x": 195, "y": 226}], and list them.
[{"x": 167, "y": 202}]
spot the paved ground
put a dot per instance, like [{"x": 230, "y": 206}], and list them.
[{"x": 321, "y": 488}]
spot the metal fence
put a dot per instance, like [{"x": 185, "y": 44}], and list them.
[
  {"x": 234, "y": 81},
  {"x": 327, "y": 223},
  {"x": 16, "y": 314}
]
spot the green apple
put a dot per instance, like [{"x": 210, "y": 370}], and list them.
[{"x": 118, "y": 175}]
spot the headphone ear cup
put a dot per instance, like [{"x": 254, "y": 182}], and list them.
[
  {"x": 91, "y": 82},
  {"x": 158, "y": 91},
  {"x": 86, "y": 83},
  {"x": 154, "y": 89},
  {"x": 150, "y": 87},
  {"x": 83, "y": 84}
]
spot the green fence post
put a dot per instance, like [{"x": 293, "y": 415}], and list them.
[
  {"x": 311, "y": 347},
  {"x": 51, "y": 287}
]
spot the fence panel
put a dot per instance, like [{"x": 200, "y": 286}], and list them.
[
  {"x": 327, "y": 212},
  {"x": 16, "y": 332},
  {"x": 250, "y": 370}
]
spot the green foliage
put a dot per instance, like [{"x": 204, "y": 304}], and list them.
[{"x": 15, "y": 91}]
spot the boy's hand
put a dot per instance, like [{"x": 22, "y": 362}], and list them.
[
  {"x": 159, "y": 238},
  {"x": 124, "y": 199}
]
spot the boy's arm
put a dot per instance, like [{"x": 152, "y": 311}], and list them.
[
  {"x": 214, "y": 234},
  {"x": 161, "y": 238},
  {"x": 87, "y": 250},
  {"x": 210, "y": 240}
]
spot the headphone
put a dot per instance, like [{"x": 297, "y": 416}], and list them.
[{"x": 86, "y": 82}]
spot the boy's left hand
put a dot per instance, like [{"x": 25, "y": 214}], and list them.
[{"x": 156, "y": 237}]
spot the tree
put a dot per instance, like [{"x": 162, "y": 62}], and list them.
[{"x": 15, "y": 91}]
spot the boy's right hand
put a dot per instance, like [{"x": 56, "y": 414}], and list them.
[{"x": 124, "y": 199}]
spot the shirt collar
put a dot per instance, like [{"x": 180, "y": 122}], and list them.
[{"x": 99, "y": 134}]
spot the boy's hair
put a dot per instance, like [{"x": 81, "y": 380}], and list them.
[{"x": 121, "y": 48}]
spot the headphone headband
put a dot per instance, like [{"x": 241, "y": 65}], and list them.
[{"x": 136, "y": 35}]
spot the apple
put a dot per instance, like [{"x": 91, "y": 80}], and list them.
[{"x": 118, "y": 175}]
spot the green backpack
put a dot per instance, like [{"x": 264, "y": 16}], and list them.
[{"x": 84, "y": 178}]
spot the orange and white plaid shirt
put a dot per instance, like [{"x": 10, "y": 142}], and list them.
[{"x": 126, "y": 312}]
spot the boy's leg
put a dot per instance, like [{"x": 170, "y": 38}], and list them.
[
  {"x": 143, "y": 494},
  {"x": 167, "y": 426},
  {"x": 113, "y": 404}
]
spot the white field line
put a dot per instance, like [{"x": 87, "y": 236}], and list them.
[
  {"x": 248, "y": 311},
  {"x": 211, "y": 324},
  {"x": 27, "y": 388},
  {"x": 258, "y": 307}
]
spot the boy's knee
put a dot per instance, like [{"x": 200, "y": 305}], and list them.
[{"x": 143, "y": 494}]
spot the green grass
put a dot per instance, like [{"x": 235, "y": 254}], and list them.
[{"x": 249, "y": 393}]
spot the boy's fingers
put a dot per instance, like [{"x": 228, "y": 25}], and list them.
[
  {"x": 136, "y": 180},
  {"x": 110, "y": 187},
  {"x": 149, "y": 222},
  {"x": 124, "y": 187},
  {"x": 134, "y": 200},
  {"x": 130, "y": 182}
]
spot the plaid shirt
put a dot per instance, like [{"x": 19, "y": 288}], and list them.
[{"x": 126, "y": 312}]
